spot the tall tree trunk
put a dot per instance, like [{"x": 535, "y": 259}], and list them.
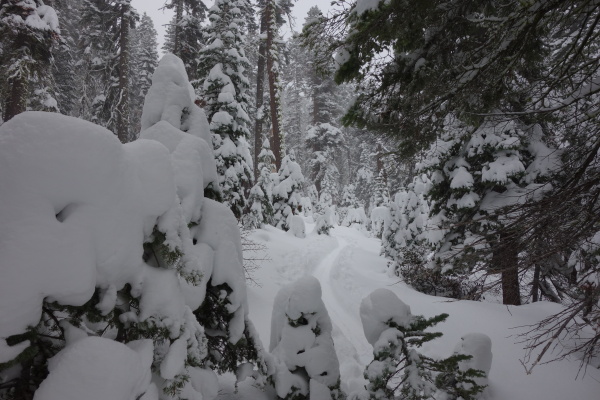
[
  {"x": 535, "y": 286},
  {"x": 505, "y": 259},
  {"x": 273, "y": 74},
  {"x": 178, "y": 17},
  {"x": 16, "y": 101},
  {"x": 123, "y": 101},
  {"x": 260, "y": 94}
]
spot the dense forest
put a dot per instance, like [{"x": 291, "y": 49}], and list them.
[{"x": 464, "y": 135}]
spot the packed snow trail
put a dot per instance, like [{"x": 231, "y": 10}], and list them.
[
  {"x": 349, "y": 267},
  {"x": 353, "y": 350}
]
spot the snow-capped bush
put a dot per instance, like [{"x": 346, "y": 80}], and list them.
[
  {"x": 399, "y": 370},
  {"x": 356, "y": 218},
  {"x": 380, "y": 217},
  {"x": 302, "y": 345},
  {"x": 297, "y": 227},
  {"x": 287, "y": 192},
  {"x": 324, "y": 222},
  {"x": 119, "y": 241}
]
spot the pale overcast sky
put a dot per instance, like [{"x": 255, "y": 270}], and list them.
[{"x": 163, "y": 17}]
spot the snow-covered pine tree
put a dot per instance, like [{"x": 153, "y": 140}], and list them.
[
  {"x": 29, "y": 32},
  {"x": 295, "y": 99},
  {"x": 475, "y": 172},
  {"x": 66, "y": 56},
  {"x": 399, "y": 370},
  {"x": 301, "y": 342},
  {"x": 365, "y": 176},
  {"x": 184, "y": 34},
  {"x": 261, "y": 194},
  {"x": 381, "y": 195},
  {"x": 106, "y": 26},
  {"x": 324, "y": 141},
  {"x": 287, "y": 192},
  {"x": 144, "y": 59},
  {"x": 222, "y": 71},
  {"x": 271, "y": 12}
]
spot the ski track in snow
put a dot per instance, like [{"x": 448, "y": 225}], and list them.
[{"x": 341, "y": 295}]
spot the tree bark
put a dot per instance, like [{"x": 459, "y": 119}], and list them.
[
  {"x": 123, "y": 101},
  {"x": 178, "y": 17},
  {"x": 16, "y": 101},
  {"x": 505, "y": 259},
  {"x": 260, "y": 94},
  {"x": 273, "y": 74}
]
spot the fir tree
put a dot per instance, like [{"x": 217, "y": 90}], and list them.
[
  {"x": 223, "y": 66},
  {"x": 144, "y": 62},
  {"x": 29, "y": 32},
  {"x": 184, "y": 35},
  {"x": 399, "y": 370},
  {"x": 287, "y": 192},
  {"x": 261, "y": 194}
]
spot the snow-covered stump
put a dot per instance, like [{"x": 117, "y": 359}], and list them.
[
  {"x": 398, "y": 369},
  {"x": 301, "y": 343}
]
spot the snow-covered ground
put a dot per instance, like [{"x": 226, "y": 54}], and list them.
[{"x": 349, "y": 267}]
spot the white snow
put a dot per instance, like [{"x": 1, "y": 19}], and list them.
[
  {"x": 349, "y": 268},
  {"x": 380, "y": 307},
  {"x": 95, "y": 368}
]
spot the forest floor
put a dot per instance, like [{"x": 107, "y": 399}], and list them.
[{"x": 349, "y": 267}]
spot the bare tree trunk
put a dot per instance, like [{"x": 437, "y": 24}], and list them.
[
  {"x": 260, "y": 94},
  {"x": 273, "y": 74},
  {"x": 505, "y": 259},
  {"x": 535, "y": 287},
  {"x": 123, "y": 101}
]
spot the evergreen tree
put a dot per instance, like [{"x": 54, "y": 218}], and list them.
[
  {"x": 365, "y": 176},
  {"x": 184, "y": 34},
  {"x": 261, "y": 194},
  {"x": 65, "y": 69},
  {"x": 107, "y": 63},
  {"x": 225, "y": 90},
  {"x": 29, "y": 32},
  {"x": 287, "y": 195},
  {"x": 399, "y": 370},
  {"x": 144, "y": 62}
]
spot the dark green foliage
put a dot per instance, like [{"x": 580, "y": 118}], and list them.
[
  {"x": 223, "y": 355},
  {"x": 414, "y": 375}
]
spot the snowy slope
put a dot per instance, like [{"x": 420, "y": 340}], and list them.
[{"x": 349, "y": 267}]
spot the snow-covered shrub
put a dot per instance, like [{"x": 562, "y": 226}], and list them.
[
  {"x": 261, "y": 194},
  {"x": 399, "y": 370},
  {"x": 307, "y": 206},
  {"x": 324, "y": 222},
  {"x": 380, "y": 216},
  {"x": 356, "y": 217},
  {"x": 98, "y": 206},
  {"x": 118, "y": 242},
  {"x": 287, "y": 192},
  {"x": 301, "y": 342},
  {"x": 297, "y": 227}
]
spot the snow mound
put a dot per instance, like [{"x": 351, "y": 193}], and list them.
[
  {"x": 95, "y": 368},
  {"x": 380, "y": 307},
  {"x": 297, "y": 226},
  {"x": 479, "y": 347},
  {"x": 301, "y": 340},
  {"x": 71, "y": 186}
]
